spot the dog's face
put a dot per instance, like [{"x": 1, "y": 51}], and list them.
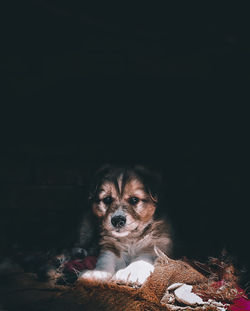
[{"x": 123, "y": 202}]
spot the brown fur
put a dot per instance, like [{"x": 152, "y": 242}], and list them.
[
  {"x": 124, "y": 201},
  {"x": 120, "y": 246},
  {"x": 144, "y": 232},
  {"x": 153, "y": 235}
]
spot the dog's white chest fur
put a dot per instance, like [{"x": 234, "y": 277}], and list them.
[
  {"x": 132, "y": 248},
  {"x": 130, "y": 251}
]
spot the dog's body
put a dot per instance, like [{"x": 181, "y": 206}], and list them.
[{"x": 124, "y": 201}]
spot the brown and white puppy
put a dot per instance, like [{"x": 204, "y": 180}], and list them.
[{"x": 125, "y": 201}]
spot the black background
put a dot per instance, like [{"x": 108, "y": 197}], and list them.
[{"x": 164, "y": 86}]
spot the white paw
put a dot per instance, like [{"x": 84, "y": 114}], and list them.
[
  {"x": 136, "y": 272},
  {"x": 96, "y": 275}
]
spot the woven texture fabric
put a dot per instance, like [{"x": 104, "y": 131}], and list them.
[{"x": 22, "y": 291}]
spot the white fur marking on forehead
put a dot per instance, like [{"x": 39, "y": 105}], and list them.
[{"x": 119, "y": 181}]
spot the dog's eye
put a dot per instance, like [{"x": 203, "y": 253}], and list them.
[
  {"x": 107, "y": 200},
  {"x": 133, "y": 200}
]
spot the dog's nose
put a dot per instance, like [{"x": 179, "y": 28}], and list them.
[{"x": 118, "y": 221}]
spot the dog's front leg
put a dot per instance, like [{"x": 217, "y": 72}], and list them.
[
  {"x": 136, "y": 272},
  {"x": 105, "y": 267}
]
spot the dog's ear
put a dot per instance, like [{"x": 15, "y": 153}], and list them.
[{"x": 152, "y": 181}]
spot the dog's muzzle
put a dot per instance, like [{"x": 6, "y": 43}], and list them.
[{"x": 118, "y": 221}]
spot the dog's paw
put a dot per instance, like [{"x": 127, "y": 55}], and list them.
[
  {"x": 96, "y": 275},
  {"x": 136, "y": 272}
]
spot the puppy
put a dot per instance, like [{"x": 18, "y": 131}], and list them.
[{"x": 124, "y": 200}]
